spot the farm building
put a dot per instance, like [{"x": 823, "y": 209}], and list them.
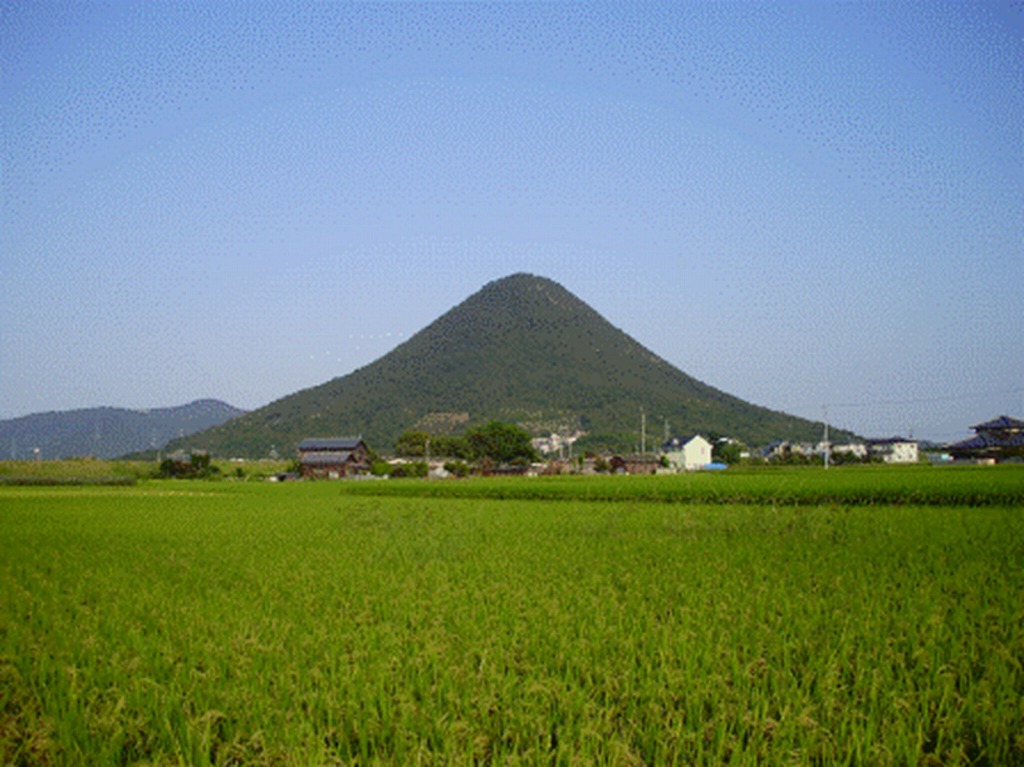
[
  {"x": 333, "y": 458},
  {"x": 687, "y": 454}
]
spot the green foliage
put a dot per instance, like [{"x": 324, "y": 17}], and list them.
[
  {"x": 457, "y": 468},
  {"x": 192, "y": 466},
  {"x": 259, "y": 624},
  {"x": 412, "y": 444},
  {"x": 450, "y": 447},
  {"x": 726, "y": 452},
  {"x": 413, "y": 470},
  {"x": 416, "y": 443},
  {"x": 501, "y": 443}
]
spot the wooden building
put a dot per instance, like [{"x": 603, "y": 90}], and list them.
[{"x": 333, "y": 458}]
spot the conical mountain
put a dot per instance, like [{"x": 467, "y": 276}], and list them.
[{"x": 522, "y": 349}]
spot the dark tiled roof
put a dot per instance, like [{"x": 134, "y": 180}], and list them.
[
  {"x": 318, "y": 444},
  {"x": 984, "y": 442},
  {"x": 890, "y": 441},
  {"x": 327, "y": 458},
  {"x": 1002, "y": 422}
]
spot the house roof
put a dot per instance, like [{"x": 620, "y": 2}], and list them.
[
  {"x": 891, "y": 441},
  {"x": 677, "y": 443},
  {"x": 326, "y": 458},
  {"x": 1002, "y": 422},
  {"x": 985, "y": 441},
  {"x": 334, "y": 443}
]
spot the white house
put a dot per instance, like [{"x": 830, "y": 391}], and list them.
[
  {"x": 857, "y": 449},
  {"x": 894, "y": 449},
  {"x": 687, "y": 454}
]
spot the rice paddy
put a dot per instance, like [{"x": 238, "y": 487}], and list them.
[{"x": 221, "y": 623}]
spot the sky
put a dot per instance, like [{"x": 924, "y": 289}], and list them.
[{"x": 816, "y": 207}]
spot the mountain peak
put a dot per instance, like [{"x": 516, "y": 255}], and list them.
[{"x": 521, "y": 349}]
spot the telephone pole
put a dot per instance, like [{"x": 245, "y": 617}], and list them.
[
  {"x": 824, "y": 417},
  {"x": 643, "y": 435}
]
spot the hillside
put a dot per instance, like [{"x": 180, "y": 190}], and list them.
[
  {"x": 107, "y": 432},
  {"x": 521, "y": 349}
]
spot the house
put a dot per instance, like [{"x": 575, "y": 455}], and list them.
[
  {"x": 687, "y": 454},
  {"x": 893, "y": 450},
  {"x": 1000, "y": 438},
  {"x": 333, "y": 458},
  {"x": 855, "y": 450},
  {"x": 785, "y": 450}
]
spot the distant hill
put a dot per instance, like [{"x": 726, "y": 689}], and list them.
[
  {"x": 522, "y": 349},
  {"x": 107, "y": 432}
]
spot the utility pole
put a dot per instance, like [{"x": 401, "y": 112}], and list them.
[
  {"x": 426, "y": 450},
  {"x": 824, "y": 417},
  {"x": 643, "y": 435}
]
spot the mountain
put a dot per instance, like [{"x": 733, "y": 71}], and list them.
[
  {"x": 521, "y": 349},
  {"x": 107, "y": 432}
]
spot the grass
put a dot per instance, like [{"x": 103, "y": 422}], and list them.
[
  {"x": 300, "y": 624},
  {"x": 854, "y": 485},
  {"x": 96, "y": 471},
  {"x": 72, "y": 471}
]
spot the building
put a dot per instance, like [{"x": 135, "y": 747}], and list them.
[
  {"x": 856, "y": 450},
  {"x": 618, "y": 464},
  {"x": 333, "y": 458},
  {"x": 687, "y": 454},
  {"x": 893, "y": 450},
  {"x": 998, "y": 439}
]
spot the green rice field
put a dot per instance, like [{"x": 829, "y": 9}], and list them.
[{"x": 858, "y": 617}]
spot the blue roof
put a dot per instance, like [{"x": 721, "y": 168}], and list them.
[
  {"x": 1002, "y": 422},
  {"x": 984, "y": 441}
]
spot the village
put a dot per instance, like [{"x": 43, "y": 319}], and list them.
[{"x": 350, "y": 457}]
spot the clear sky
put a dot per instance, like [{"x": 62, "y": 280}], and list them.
[{"x": 800, "y": 204}]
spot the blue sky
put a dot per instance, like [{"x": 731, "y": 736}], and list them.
[{"x": 800, "y": 204}]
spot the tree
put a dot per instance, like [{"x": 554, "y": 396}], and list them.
[
  {"x": 449, "y": 447},
  {"x": 726, "y": 451},
  {"x": 501, "y": 443},
  {"x": 412, "y": 444},
  {"x": 182, "y": 465}
]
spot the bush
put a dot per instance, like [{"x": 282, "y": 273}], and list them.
[
  {"x": 414, "y": 470},
  {"x": 185, "y": 466},
  {"x": 457, "y": 468}
]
